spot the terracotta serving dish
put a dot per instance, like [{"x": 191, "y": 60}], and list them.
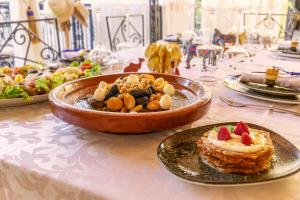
[{"x": 62, "y": 101}]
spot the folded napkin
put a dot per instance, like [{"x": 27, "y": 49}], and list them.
[
  {"x": 291, "y": 82},
  {"x": 286, "y": 44}
]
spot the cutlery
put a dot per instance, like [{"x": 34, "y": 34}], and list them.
[{"x": 239, "y": 104}]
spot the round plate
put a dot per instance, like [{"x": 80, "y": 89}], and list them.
[
  {"x": 232, "y": 82},
  {"x": 289, "y": 55},
  {"x": 21, "y": 102},
  {"x": 179, "y": 155},
  {"x": 63, "y": 98},
  {"x": 272, "y": 90}
]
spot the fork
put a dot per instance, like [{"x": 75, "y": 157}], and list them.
[{"x": 239, "y": 104}]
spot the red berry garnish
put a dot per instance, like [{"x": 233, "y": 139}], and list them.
[
  {"x": 240, "y": 128},
  {"x": 223, "y": 134},
  {"x": 246, "y": 139}
]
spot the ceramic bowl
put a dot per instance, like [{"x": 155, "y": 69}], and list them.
[{"x": 63, "y": 98}]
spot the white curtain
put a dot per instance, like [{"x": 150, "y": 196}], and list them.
[
  {"x": 116, "y": 8},
  {"x": 227, "y": 14},
  {"x": 178, "y": 16}
]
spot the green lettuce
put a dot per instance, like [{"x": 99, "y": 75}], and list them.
[
  {"x": 15, "y": 92},
  {"x": 94, "y": 71},
  {"x": 75, "y": 64},
  {"x": 42, "y": 85},
  {"x": 56, "y": 80}
]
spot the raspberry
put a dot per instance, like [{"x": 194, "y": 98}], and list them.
[
  {"x": 240, "y": 128},
  {"x": 223, "y": 134},
  {"x": 246, "y": 139}
]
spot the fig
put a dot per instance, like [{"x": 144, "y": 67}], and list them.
[
  {"x": 112, "y": 92},
  {"x": 96, "y": 104},
  {"x": 142, "y": 101},
  {"x": 139, "y": 93},
  {"x": 151, "y": 88}
]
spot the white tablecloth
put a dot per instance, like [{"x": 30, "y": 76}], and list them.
[{"x": 44, "y": 158}]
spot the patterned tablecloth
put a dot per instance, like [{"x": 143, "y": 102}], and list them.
[{"x": 44, "y": 158}]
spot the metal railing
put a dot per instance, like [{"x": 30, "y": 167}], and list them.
[
  {"x": 81, "y": 37},
  {"x": 21, "y": 36},
  {"x": 119, "y": 30}
]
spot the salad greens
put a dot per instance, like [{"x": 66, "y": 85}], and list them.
[
  {"x": 94, "y": 71},
  {"x": 56, "y": 80},
  {"x": 15, "y": 92},
  {"x": 30, "y": 80},
  {"x": 42, "y": 85},
  {"x": 75, "y": 64}
]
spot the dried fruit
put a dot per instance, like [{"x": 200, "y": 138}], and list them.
[
  {"x": 240, "y": 128},
  {"x": 153, "y": 105},
  {"x": 151, "y": 88},
  {"x": 124, "y": 110},
  {"x": 142, "y": 101},
  {"x": 165, "y": 102},
  {"x": 224, "y": 134},
  {"x": 98, "y": 105},
  {"x": 152, "y": 97},
  {"x": 129, "y": 101},
  {"x": 246, "y": 139},
  {"x": 114, "y": 104},
  {"x": 139, "y": 93},
  {"x": 112, "y": 92},
  {"x": 158, "y": 96},
  {"x": 137, "y": 108}
]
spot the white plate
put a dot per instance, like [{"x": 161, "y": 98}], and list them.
[
  {"x": 232, "y": 82},
  {"x": 289, "y": 55},
  {"x": 21, "y": 102}
]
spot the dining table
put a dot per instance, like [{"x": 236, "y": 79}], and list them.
[{"x": 42, "y": 157}]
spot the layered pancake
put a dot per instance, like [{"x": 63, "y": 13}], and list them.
[{"x": 236, "y": 149}]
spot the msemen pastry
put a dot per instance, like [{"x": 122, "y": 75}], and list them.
[{"x": 236, "y": 149}]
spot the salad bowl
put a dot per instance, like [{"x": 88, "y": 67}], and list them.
[{"x": 63, "y": 105}]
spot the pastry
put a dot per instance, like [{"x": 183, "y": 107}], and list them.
[{"x": 238, "y": 149}]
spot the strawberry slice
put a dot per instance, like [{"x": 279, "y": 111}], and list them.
[
  {"x": 246, "y": 139},
  {"x": 224, "y": 134},
  {"x": 240, "y": 128}
]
